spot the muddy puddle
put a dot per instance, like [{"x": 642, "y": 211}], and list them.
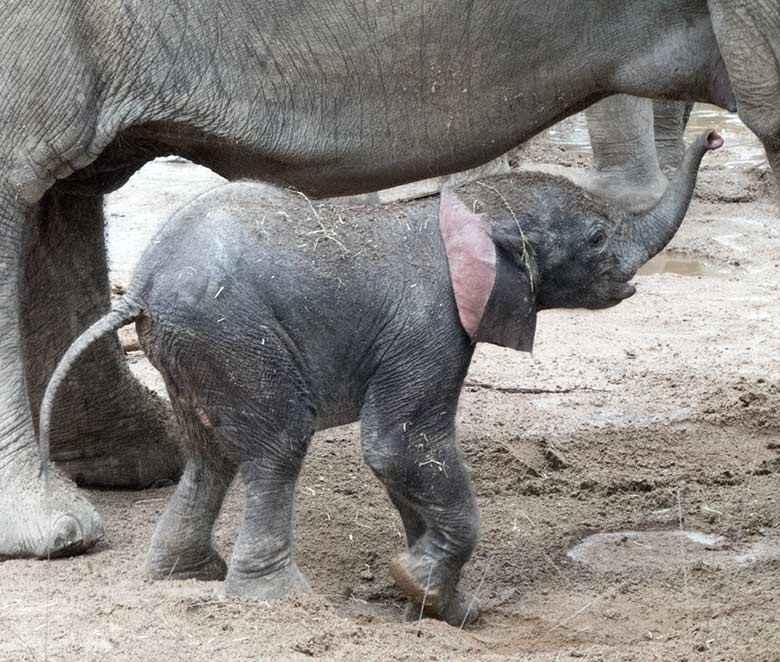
[
  {"x": 668, "y": 549},
  {"x": 683, "y": 265},
  {"x": 742, "y": 146},
  {"x": 744, "y": 149}
]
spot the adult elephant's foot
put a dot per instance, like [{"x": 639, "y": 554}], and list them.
[
  {"x": 460, "y": 611},
  {"x": 633, "y": 193},
  {"x": 275, "y": 585},
  {"x": 418, "y": 579},
  {"x": 625, "y": 169},
  {"x": 126, "y": 438},
  {"x": 38, "y": 521}
]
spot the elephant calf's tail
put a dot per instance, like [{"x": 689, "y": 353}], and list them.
[{"x": 122, "y": 314}]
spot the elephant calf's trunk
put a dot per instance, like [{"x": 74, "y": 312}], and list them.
[{"x": 647, "y": 234}]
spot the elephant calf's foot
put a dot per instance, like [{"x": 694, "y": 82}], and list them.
[
  {"x": 36, "y": 522},
  {"x": 272, "y": 586},
  {"x": 415, "y": 578},
  {"x": 209, "y": 566}
]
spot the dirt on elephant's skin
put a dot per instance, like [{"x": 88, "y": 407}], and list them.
[{"x": 656, "y": 422}]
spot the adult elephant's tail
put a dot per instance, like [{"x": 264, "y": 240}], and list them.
[{"x": 124, "y": 312}]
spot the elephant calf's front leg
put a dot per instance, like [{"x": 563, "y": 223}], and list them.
[{"x": 423, "y": 472}]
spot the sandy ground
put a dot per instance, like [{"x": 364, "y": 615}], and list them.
[{"x": 654, "y": 424}]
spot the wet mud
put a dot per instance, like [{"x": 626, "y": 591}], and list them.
[
  {"x": 683, "y": 265},
  {"x": 627, "y": 473},
  {"x": 744, "y": 151}
]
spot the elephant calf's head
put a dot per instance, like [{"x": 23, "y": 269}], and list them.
[{"x": 529, "y": 241}]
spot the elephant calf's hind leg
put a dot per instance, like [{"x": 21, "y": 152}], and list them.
[
  {"x": 262, "y": 565},
  {"x": 182, "y": 544},
  {"x": 272, "y": 448}
]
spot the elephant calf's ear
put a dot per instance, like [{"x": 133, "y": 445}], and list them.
[
  {"x": 493, "y": 294},
  {"x": 471, "y": 255}
]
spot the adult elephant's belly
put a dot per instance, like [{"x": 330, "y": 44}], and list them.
[{"x": 326, "y": 164}]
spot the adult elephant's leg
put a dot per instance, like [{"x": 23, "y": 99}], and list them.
[
  {"x": 670, "y": 120},
  {"x": 772, "y": 149},
  {"x": 748, "y": 35},
  {"x": 108, "y": 429},
  {"x": 773, "y": 154},
  {"x": 33, "y": 521},
  {"x": 766, "y": 125},
  {"x": 625, "y": 166}
]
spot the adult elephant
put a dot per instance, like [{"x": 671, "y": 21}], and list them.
[
  {"x": 628, "y": 164},
  {"x": 332, "y": 97},
  {"x": 748, "y": 32}
]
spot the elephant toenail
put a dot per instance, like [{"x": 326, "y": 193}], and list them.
[{"x": 64, "y": 532}]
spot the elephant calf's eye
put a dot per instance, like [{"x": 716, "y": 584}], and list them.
[{"x": 597, "y": 238}]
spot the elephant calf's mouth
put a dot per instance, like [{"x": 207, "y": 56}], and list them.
[
  {"x": 617, "y": 293},
  {"x": 625, "y": 290}
]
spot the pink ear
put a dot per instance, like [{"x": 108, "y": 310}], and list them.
[{"x": 471, "y": 255}]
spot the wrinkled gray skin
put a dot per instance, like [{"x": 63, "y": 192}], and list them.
[
  {"x": 626, "y": 168},
  {"x": 335, "y": 98},
  {"x": 748, "y": 32},
  {"x": 270, "y": 317},
  {"x": 636, "y": 143}
]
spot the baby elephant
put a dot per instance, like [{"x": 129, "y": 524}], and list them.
[{"x": 271, "y": 316}]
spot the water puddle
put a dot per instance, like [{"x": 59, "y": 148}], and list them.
[
  {"x": 742, "y": 147},
  {"x": 683, "y": 265},
  {"x": 662, "y": 550},
  {"x": 571, "y": 133},
  {"x": 767, "y": 549}
]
